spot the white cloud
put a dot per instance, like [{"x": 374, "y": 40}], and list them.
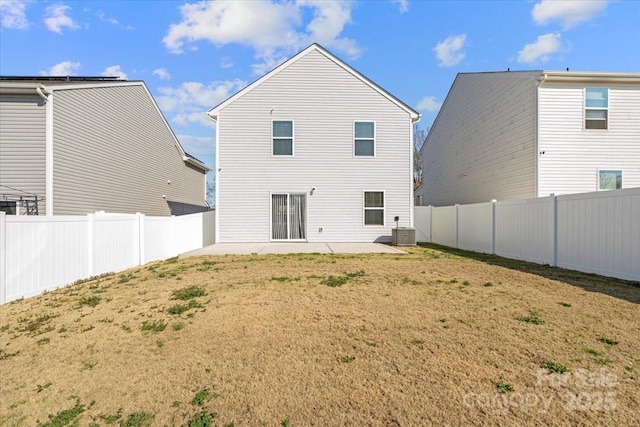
[
  {"x": 404, "y": 5},
  {"x": 66, "y": 68},
  {"x": 162, "y": 74},
  {"x": 101, "y": 15},
  {"x": 13, "y": 15},
  {"x": 429, "y": 103},
  {"x": 189, "y": 102},
  {"x": 540, "y": 50},
  {"x": 273, "y": 29},
  {"x": 226, "y": 62},
  {"x": 568, "y": 13},
  {"x": 450, "y": 51},
  {"x": 114, "y": 70},
  {"x": 57, "y": 19}
]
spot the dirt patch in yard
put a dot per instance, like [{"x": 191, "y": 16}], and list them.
[{"x": 432, "y": 337}]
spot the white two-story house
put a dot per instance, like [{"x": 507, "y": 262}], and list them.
[
  {"x": 515, "y": 135},
  {"x": 313, "y": 151}
]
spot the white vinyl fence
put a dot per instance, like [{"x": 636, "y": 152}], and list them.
[
  {"x": 590, "y": 232},
  {"x": 39, "y": 253}
]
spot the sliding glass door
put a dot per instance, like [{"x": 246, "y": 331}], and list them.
[{"x": 288, "y": 217}]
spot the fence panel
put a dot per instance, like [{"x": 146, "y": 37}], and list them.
[
  {"x": 158, "y": 234},
  {"x": 116, "y": 243},
  {"x": 39, "y": 253},
  {"x": 43, "y": 253},
  {"x": 600, "y": 233},
  {"x": 422, "y": 223},
  {"x": 188, "y": 233},
  {"x": 167, "y": 237},
  {"x": 209, "y": 228},
  {"x": 524, "y": 230},
  {"x": 444, "y": 226},
  {"x": 475, "y": 227}
]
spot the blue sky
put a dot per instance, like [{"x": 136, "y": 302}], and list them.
[{"x": 193, "y": 55}]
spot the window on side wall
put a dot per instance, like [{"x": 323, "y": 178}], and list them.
[
  {"x": 373, "y": 208},
  {"x": 364, "y": 139},
  {"x": 609, "y": 179},
  {"x": 282, "y": 134},
  {"x": 596, "y": 108}
]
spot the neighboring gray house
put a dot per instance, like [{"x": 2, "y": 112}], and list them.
[
  {"x": 313, "y": 151},
  {"x": 83, "y": 144},
  {"x": 514, "y": 135}
]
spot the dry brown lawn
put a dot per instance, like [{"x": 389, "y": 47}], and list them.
[{"x": 435, "y": 337}]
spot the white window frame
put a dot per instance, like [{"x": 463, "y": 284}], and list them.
[
  {"x": 365, "y": 208},
  {"x": 293, "y": 134},
  {"x": 375, "y": 130},
  {"x": 605, "y": 109},
  {"x": 610, "y": 170}
]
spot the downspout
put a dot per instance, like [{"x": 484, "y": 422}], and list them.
[
  {"x": 40, "y": 89},
  {"x": 216, "y": 173},
  {"x": 48, "y": 99},
  {"x": 536, "y": 153}
]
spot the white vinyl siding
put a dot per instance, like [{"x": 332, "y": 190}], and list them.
[
  {"x": 113, "y": 152},
  {"x": 574, "y": 155},
  {"x": 323, "y": 100},
  {"x": 482, "y": 144},
  {"x": 23, "y": 147}
]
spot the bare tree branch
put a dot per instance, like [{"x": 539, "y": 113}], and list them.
[{"x": 419, "y": 137}]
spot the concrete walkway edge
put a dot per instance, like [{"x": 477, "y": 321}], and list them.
[{"x": 293, "y": 247}]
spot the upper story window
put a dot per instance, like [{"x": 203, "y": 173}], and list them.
[
  {"x": 596, "y": 108},
  {"x": 609, "y": 179},
  {"x": 364, "y": 138},
  {"x": 282, "y": 133}
]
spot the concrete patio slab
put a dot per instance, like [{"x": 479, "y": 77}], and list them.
[{"x": 291, "y": 248}]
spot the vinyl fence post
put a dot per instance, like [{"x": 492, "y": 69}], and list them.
[
  {"x": 141, "y": 259},
  {"x": 457, "y": 207},
  {"x": 555, "y": 231},
  {"x": 3, "y": 257},
  {"x": 91, "y": 219},
  {"x": 493, "y": 226},
  {"x": 430, "y": 224}
]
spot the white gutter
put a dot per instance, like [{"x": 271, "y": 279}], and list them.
[
  {"x": 196, "y": 163},
  {"x": 41, "y": 91},
  {"x": 542, "y": 79}
]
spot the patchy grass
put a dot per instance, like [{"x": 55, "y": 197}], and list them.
[
  {"x": 502, "y": 386},
  {"x": 188, "y": 293},
  {"x": 64, "y": 417},
  {"x": 554, "y": 368},
  {"x": 533, "y": 318},
  {"x": 91, "y": 301},
  {"x": 417, "y": 339},
  {"x": 607, "y": 341},
  {"x": 177, "y": 309}
]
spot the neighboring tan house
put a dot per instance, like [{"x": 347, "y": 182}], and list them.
[
  {"x": 82, "y": 144},
  {"x": 526, "y": 134},
  {"x": 313, "y": 151}
]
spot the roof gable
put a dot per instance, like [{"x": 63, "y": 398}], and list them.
[
  {"x": 27, "y": 84},
  {"x": 415, "y": 116}
]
